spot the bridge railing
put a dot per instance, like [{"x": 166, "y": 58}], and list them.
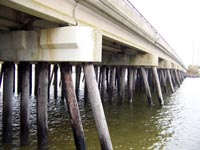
[{"x": 158, "y": 39}]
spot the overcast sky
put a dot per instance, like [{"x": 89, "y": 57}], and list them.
[{"x": 178, "y": 21}]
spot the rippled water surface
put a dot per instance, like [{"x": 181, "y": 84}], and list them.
[{"x": 175, "y": 126}]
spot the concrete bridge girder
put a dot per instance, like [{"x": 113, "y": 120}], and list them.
[{"x": 145, "y": 59}]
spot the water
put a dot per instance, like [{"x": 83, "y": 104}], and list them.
[{"x": 175, "y": 126}]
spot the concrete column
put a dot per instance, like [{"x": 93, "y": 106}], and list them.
[
  {"x": 160, "y": 97},
  {"x": 146, "y": 85},
  {"x": 97, "y": 108},
  {"x": 70, "y": 95}
]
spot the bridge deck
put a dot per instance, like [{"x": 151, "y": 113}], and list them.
[{"x": 124, "y": 30}]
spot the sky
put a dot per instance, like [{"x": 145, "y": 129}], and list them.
[{"x": 178, "y": 22}]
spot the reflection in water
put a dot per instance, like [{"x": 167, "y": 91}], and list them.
[{"x": 132, "y": 126}]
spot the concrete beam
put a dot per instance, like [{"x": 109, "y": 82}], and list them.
[
  {"x": 130, "y": 60},
  {"x": 72, "y": 44},
  {"x": 144, "y": 60},
  {"x": 164, "y": 64}
]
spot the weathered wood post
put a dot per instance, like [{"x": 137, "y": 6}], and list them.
[
  {"x": 170, "y": 80},
  {"x": 103, "y": 82},
  {"x": 112, "y": 82},
  {"x": 85, "y": 92},
  {"x": 14, "y": 68},
  {"x": 49, "y": 81},
  {"x": 1, "y": 74},
  {"x": 160, "y": 97},
  {"x": 97, "y": 107},
  {"x": 55, "y": 81},
  {"x": 172, "y": 77},
  {"x": 7, "y": 102},
  {"x": 24, "y": 108},
  {"x": 134, "y": 78},
  {"x": 163, "y": 81},
  {"x": 107, "y": 76},
  {"x": 100, "y": 77},
  {"x": 30, "y": 80},
  {"x": 146, "y": 85},
  {"x": 36, "y": 80},
  {"x": 42, "y": 116},
  {"x": 19, "y": 79},
  {"x": 177, "y": 78},
  {"x": 78, "y": 78},
  {"x": 70, "y": 95},
  {"x": 130, "y": 84},
  {"x": 122, "y": 83}
]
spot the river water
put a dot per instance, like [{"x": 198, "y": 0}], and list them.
[{"x": 135, "y": 126}]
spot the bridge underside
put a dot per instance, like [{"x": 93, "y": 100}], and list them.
[
  {"x": 111, "y": 42},
  {"x": 115, "y": 32}
]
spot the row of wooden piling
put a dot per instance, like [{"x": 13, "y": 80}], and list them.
[{"x": 105, "y": 79}]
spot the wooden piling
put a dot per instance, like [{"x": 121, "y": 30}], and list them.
[
  {"x": 7, "y": 102},
  {"x": 177, "y": 78},
  {"x": 107, "y": 76},
  {"x": 36, "y": 80},
  {"x": 55, "y": 81},
  {"x": 134, "y": 78},
  {"x": 173, "y": 76},
  {"x": 118, "y": 71},
  {"x": 85, "y": 92},
  {"x": 24, "y": 108},
  {"x": 103, "y": 82},
  {"x": 19, "y": 79},
  {"x": 100, "y": 77},
  {"x": 159, "y": 92},
  {"x": 42, "y": 116},
  {"x": 1, "y": 74},
  {"x": 163, "y": 81},
  {"x": 49, "y": 81},
  {"x": 97, "y": 107},
  {"x": 122, "y": 83},
  {"x": 112, "y": 83},
  {"x": 146, "y": 85},
  {"x": 96, "y": 72},
  {"x": 170, "y": 81},
  {"x": 30, "y": 80},
  {"x": 73, "y": 107},
  {"x": 112, "y": 77},
  {"x": 130, "y": 84},
  {"x": 78, "y": 78},
  {"x": 14, "y": 68}
]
